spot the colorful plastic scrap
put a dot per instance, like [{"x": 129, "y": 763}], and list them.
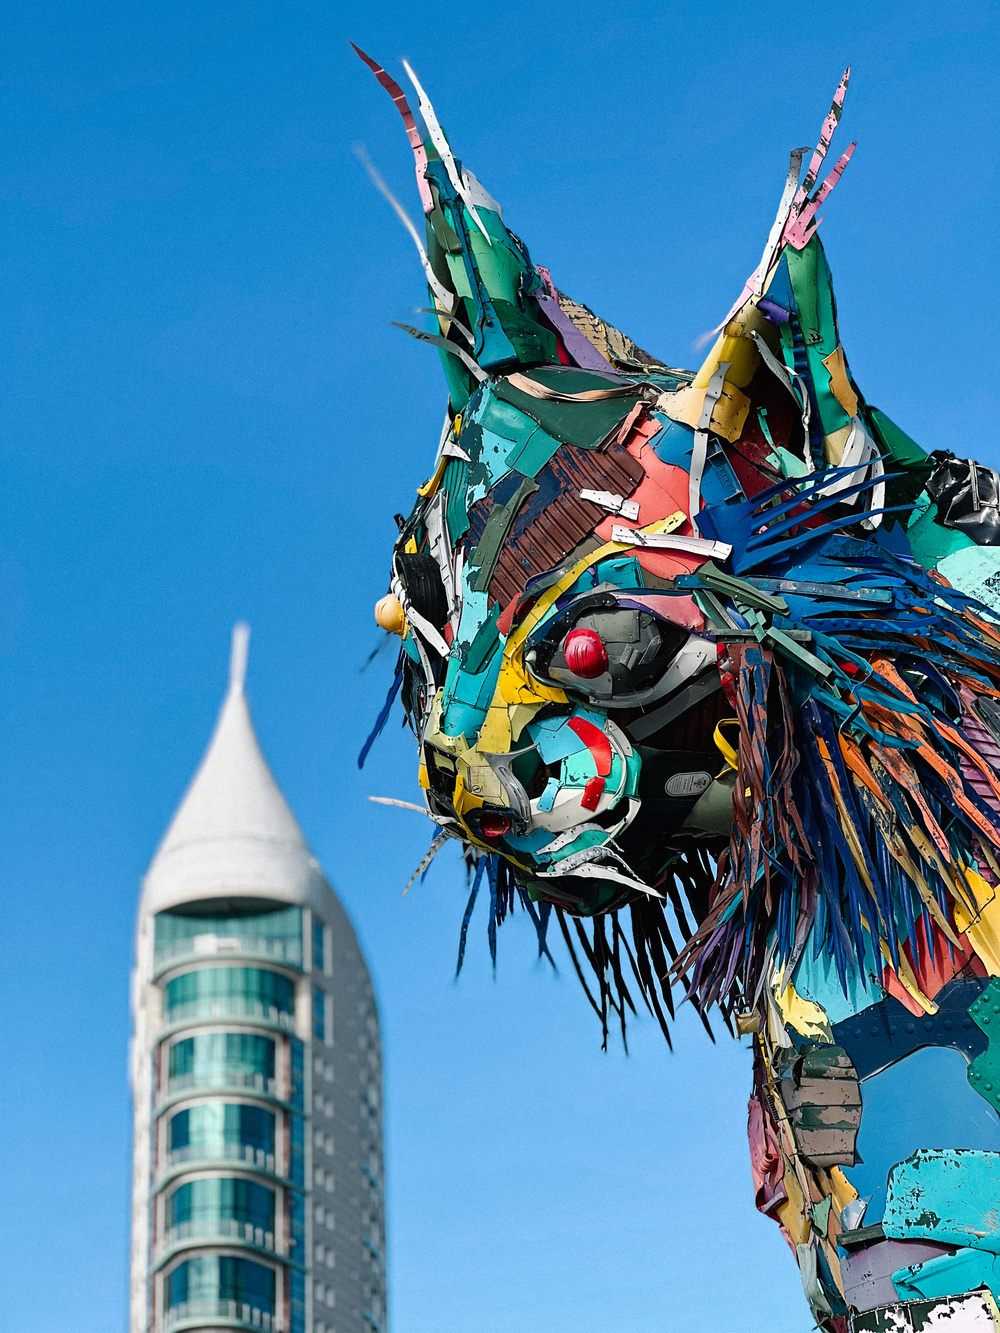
[{"x": 705, "y": 665}]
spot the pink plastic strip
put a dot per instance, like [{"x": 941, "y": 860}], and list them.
[{"x": 412, "y": 133}]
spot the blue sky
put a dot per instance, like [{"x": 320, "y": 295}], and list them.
[{"x": 205, "y": 415}]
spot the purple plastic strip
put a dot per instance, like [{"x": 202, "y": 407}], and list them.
[{"x": 580, "y": 348}]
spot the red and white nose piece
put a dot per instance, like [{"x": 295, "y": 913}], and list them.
[{"x": 585, "y": 653}]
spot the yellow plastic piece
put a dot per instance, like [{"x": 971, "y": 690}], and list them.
[
  {"x": 389, "y": 615},
  {"x": 736, "y": 345},
  {"x": 833, "y": 444},
  {"x": 805, "y": 1016},
  {"x": 842, "y": 1189},
  {"x": 411, "y": 546},
  {"x": 434, "y": 481},
  {"x": 793, "y": 1214},
  {"x": 728, "y": 414},
  {"x": 840, "y": 385},
  {"x": 983, "y": 929},
  {"x": 727, "y": 751}
]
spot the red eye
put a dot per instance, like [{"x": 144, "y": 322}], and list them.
[
  {"x": 585, "y": 653},
  {"x": 494, "y": 826}
]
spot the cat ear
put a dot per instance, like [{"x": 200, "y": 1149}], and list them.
[
  {"x": 482, "y": 273},
  {"x": 786, "y": 316}
]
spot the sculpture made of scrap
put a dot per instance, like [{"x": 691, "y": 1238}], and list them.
[{"x": 707, "y": 666}]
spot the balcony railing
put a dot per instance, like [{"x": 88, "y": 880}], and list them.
[
  {"x": 216, "y": 1228},
  {"x": 282, "y": 950},
  {"x": 231, "y": 1007},
  {"x": 239, "y": 1311},
  {"x": 222, "y": 1078},
  {"x": 226, "y": 1152}
]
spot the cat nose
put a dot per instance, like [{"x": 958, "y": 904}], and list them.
[{"x": 494, "y": 826}]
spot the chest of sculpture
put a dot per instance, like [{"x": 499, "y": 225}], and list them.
[{"x": 704, "y": 668}]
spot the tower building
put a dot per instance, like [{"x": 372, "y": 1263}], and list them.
[{"x": 257, "y": 1192}]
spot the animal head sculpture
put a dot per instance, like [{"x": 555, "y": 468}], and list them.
[{"x": 682, "y": 645}]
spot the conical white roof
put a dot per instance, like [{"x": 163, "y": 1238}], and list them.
[{"x": 233, "y": 834}]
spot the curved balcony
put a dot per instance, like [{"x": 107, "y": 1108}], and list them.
[
  {"x": 240, "y": 1060},
  {"x": 243, "y": 1153},
  {"x": 232, "y": 1006},
  {"x": 254, "y": 993},
  {"x": 275, "y": 935},
  {"x": 238, "y": 1079},
  {"x": 238, "y": 1292},
  {"x": 232, "y": 1314},
  {"x": 221, "y": 1230}
]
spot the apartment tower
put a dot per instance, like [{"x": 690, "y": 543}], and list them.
[{"x": 257, "y": 1193}]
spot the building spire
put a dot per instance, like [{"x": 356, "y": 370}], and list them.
[
  {"x": 233, "y": 832},
  {"x": 238, "y": 656}
]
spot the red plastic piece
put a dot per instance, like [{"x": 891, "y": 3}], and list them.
[
  {"x": 495, "y": 826},
  {"x": 592, "y": 793},
  {"x": 595, "y": 741},
  {"x": 585, "y": 653}
]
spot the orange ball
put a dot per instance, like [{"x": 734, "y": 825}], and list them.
[{"x": 389, "y": 615}]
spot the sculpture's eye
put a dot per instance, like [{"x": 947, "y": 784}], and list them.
[
  {"x": 425, "y": 591},
  {"x": 615, "y": 654},
  {"x": 585, "y": 653}
]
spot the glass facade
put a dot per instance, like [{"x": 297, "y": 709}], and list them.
[
  {"x": 298, "y": 1302},
  {"x": 221, "y": 1206},
  {"x": 231, "y": 992},
  {"x": 297, "y": 1095},
  {"x": 319, "y": 1014},
  {"x": 262, "y": 934},
  {"x": 297, "y": 1146},
  {"x": 297, "y": 1225},
  {"x": 319, "y": 946},
  {"x": 219, "y": 1286},
  {"x": 221, "y": 1130},
  {"x": 222, "y": 1060}
]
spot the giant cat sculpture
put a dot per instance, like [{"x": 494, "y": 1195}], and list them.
[{"x": 711, "y": 663}]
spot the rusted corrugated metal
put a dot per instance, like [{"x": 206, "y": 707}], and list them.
[{"x": 565, "y": 521}]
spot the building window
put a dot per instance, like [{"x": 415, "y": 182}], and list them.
[
  {"x": 217, "y": 1130},
  {"x": 297, "y": 1225},
  {"x": 297, "y": 1146},
  {"x": 236, "y": 1209},
  {"x": 218, "y": 1286},
  {"x": 298, "y": 1301},
  {"x": 222, "y": 1060},
  {"x": 231, "y": 992},
  {"x": 319, "y": 1014},
  {"x": 297, "y": 1093},
  {"x": 262, "y": 934},
  {"x": 319, "y": 946}
]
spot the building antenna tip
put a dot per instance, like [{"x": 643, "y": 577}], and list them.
[{"x": 238, "y": 656}]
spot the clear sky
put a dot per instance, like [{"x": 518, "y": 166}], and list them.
[{"x": 205, "y": 415}]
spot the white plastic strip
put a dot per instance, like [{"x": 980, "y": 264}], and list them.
[
  {"x": 784, "y": 208},
  {"x": 699, "y": 450},
  {"x": 444, "y": 150},
  {"x": 614, "y": 503},
  {"x": 439, "y": 543},
  {"x": 667, "y": 541}
]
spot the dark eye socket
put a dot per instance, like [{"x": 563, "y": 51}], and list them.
[
  {"x": 638, "y": 645},
  {"x": 421, "y": 577},
  {"x": 441, "y": 773}
]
